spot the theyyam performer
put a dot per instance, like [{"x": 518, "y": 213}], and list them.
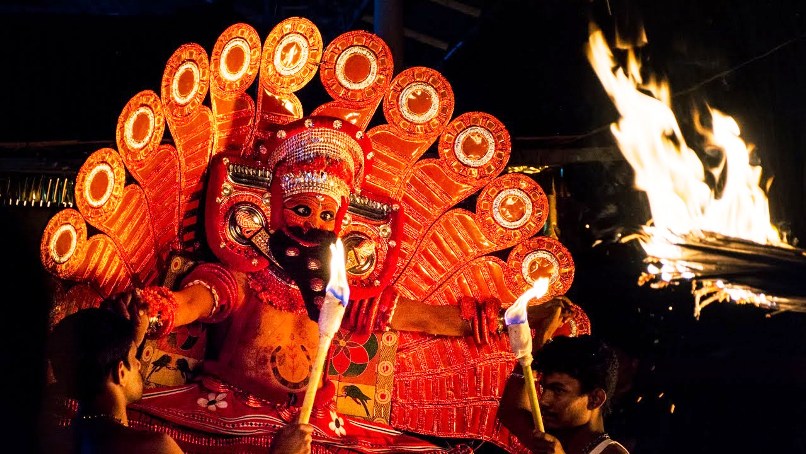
[{"x": 225, "y": 232}]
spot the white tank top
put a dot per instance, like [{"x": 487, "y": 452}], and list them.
[{"x": 604, "y": 444}]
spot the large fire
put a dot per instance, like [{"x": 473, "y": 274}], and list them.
[{"x": 692, "y": 225}]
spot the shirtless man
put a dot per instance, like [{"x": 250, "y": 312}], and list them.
[
  {"x": 577, "y": 377},
  {"x": 93, "y": 354}
]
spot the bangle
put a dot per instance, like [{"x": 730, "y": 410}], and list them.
[
  {"x": 221, "y": 284},
  {"x": 371, "y": 314},
  {"x": 484, "y": 317},
  {"x": 491, "y": 318},
  {"x": 467, "y": 308},
  {"x": 468, "y": 311},
  {"x": 211, "y": 289},
  {"x": 161, "y": 311}
]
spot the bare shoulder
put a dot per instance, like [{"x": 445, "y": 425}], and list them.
[
  {"x": 152, "y": 442},
  {"x": 167, "y": 445}
]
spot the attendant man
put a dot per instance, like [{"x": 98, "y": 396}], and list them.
[
  {"x": 93, "y": 355},
  {"x": 93, "y": 358},
  {"x": 578, "y": 378}
]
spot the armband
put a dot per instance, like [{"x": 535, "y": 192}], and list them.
[{"x": 485, "y": 317}]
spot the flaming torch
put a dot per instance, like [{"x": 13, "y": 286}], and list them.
[
  {"x": 717, "y": 236},
  {"x": 520, "y": 338},
  {"x": 336, "y": 296}
]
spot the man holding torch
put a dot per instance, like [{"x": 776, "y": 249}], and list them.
[{"x": 578, "y": 378}]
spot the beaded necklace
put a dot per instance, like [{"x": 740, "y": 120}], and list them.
[
  {"x": 101, "y": 417},
  {"x": 276, "y": 289},
  {"x": 593, "y": 444}
]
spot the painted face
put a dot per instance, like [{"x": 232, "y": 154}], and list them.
[
  {"x": 562, "y": 403},
  {"x": 307, "y": 213}
]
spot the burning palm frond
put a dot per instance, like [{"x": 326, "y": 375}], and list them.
[{"x": 722, "y": 242}]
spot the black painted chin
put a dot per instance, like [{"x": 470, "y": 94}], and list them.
[{"x": 294, "y": 257}]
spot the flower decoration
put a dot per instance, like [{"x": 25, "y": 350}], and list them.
[
  {"x": 352, "y": 352},
  {"x": 213, "y": 401},
  {"x": 337, "y": 424}
]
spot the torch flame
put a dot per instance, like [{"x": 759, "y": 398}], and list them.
[
  {"x": 516, "y": 314},
  {"x": 338, "y": 285},
  {"x": 520, "y": 340}
]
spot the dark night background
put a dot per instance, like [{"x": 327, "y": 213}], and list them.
[{"x": 735, "y": 378}]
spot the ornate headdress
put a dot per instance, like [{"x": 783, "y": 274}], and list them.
[{"x": 318, "y": 154}]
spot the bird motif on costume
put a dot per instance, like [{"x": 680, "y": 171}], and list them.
[
  {"x": 184, "y": 368},
  {"x": 207, "y": 194},
  {"x": 160, "y": 363},
  {"x": 358, "y": 396}
]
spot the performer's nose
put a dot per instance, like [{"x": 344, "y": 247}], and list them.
[{"x": 314, "y": 223}]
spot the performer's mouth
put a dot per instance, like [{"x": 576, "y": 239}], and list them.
[
  {"x": 301, "y": 241},
  {"x": 311, "y": 238}
]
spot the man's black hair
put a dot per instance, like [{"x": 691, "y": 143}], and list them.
[
  {"x": 586, "y": 358},
  {"x": 85, "y": 347}
]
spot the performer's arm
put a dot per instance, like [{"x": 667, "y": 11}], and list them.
[
  {"x": 475, "y": 318},
  {"x": 471, "y": 317},
  {"x": 389, "y": 310},
  {"x": 192, "y": 303},
  {"x": 425, "y": 318},
  {"x": 208, "y": 294}
]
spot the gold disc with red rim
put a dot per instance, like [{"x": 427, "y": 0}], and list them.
[
  {"x": 291, "y": 55},
  {"x": 511, "y": 208},
  {"x": 99, "y": 184},
  {"x": 141, "y": 125},
  {"x": 544, "y": 256},
  {"x": 186, "y": 80},
  {"x": 357, "y": 68},
  {"x": 235, "y": 60},
  {"x": 63, "y": 242},
  {"x": 475, "y": 145},
  {"x": 420, "y": 102}
]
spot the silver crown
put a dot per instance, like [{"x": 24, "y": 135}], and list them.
[
  {"x": 316, "y": 141},
  {"x": 313, "y": 181}
]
